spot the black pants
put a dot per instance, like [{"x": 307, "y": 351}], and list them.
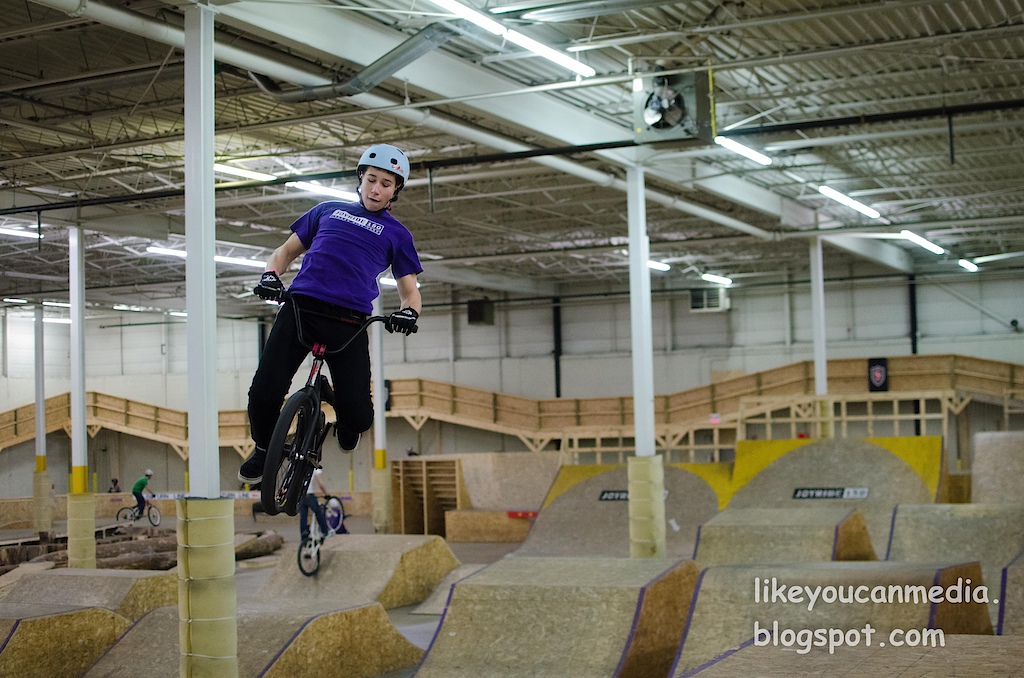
[{"x": 283, "y": 354}]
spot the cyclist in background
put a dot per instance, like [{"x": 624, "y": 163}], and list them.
[
  {"x": 138, "y": 488},
  {"x": 346, "y": 245},
  {"x": 310, "y": 503}
]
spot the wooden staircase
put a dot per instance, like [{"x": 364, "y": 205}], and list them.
[{"x": 422, "y": 490}]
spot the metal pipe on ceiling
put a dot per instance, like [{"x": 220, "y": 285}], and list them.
[{"x": 248, "y": 57}]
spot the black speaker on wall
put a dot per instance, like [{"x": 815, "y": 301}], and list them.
[{"x": 481, "y": 311}]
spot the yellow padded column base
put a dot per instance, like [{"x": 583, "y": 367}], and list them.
[
  {"x": 42, "y": 502},
  {"x": 380, "y": 488},
  {"x": 207, "y": 609},
  {"x": 82, "y": 530},
  {"x": 646, "y": 507}
]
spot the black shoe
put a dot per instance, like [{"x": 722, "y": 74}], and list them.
[
  {"x": 252, "y": 470},
  {"x": 346, "y": 439}
]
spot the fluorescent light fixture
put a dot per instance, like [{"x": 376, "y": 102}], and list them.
[
  {"x": 657, "y": 265},
  {"x": 235, "y": 261},
  {"x": 178, "y": 314},
  {"x": 638, "y": 84},
  {"x": 921, "y": 242},
  {"x": 390, "y": 282},
  {"x": 167, "y": 252},
  {"x": 717, "y": 279},
  {"x": 492, "y": 26},
  {"x": 726, "y": 142},
  {"x": 242, "y": 172},
  {"x": 20, "y": 234},
  {"x": 969, "y": 265},
  {"x": 12, "y": 300},
  {"x": 848, "y": 201},
  {"x": 431, "y": 257},
  {"x": 58, "y": 321},
  {"x": 57, "y": 304},
  {"x": 323, "y": 190},
  {"x": 997, "y": 257},
  {"x": 126, "y": 307}
]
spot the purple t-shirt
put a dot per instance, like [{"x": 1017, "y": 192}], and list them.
[{"x": 347, "y": 247}]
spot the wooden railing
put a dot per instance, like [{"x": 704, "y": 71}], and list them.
[{"x": 689, "y": 424}]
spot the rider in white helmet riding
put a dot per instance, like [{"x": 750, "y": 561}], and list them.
[{"x": 347, "y": 245}]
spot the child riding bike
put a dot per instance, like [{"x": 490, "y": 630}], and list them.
[{"x": 346, "y": 245}]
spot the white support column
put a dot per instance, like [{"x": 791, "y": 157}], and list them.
[
  {"x": 646, "y": 472},
  {"x": 818, "y": 318},
  {"x": 640, "y": 314},
  {"x": 207, "y": 606},
  {"x": 40, "y": 394},
  {"x": 81, "y": 506},
  {"x": 380, "y": 477},
  {"x": 200, "y": 271}
]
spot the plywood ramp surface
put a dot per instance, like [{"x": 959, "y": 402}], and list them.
[
  {"x": 355, "y": 642},
  {"x": 437, "y": 601},
  {"x": 507, "y": 480},
  {"x": 394, "y": 570},
  {"x": 578, "y": 523},
  {"x": 564, "y": 617},
  {"x": 770, "y": 478},
  {"x": 742, "y": 536},
  {"x": 130, "y": 593},
  {"x": 992, "y": 534},
  {"x": 59, "y": 645},
  {"x": 997, "y": 466},
  {"x": 961, "y": 657},
  {"x": 1011, "y": 603},
  {"x": 726, "y": 605}
]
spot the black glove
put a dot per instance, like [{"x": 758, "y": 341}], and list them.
[
  {"x": 269, "y": 287},
  {"x": 403, "y": 321}
]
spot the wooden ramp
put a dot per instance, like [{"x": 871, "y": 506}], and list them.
[
  {"x": 129, "y": 593},
  {"x": 1011, "y": 602},
  {"x": 394, "y": 570},
  {"x": 55, "y": 644},
  {"x": 961, "y": 656},
  {"x": 726, "y": 605},
  {"x": 871, "y": 476},
  {"x": 742, "y": 536},
  {"x": 992, "y": 534},
  {"x": 586, "y": 513},
  {"x": 997, "y": 466},
  {"x": 563, "y": 617},
  {"x": 272, "y": 643}
]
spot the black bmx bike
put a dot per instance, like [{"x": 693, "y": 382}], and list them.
[
  {"x": 296, "y": 445},
  {"x": 129, "y": 514}
]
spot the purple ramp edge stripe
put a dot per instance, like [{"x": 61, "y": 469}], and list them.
[
  {"x": 711, "y": 662},
  {"x": 892, "y": 531},
  {"x": 105, "y": 652},
  {"x": 1002, "y": 593},
  {"x": 636, "y": 616}
]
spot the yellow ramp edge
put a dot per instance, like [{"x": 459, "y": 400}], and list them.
[
  {"x": 730, "y": 600},
  {"x": 564, "y": 617},
  {"x": 60, "y": 645}
]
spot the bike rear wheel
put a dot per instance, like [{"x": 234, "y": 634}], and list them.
[
  {"x": 126, "y": 515},
  {"x": 153, "y": 513},
  {"x": 285, "y": 469},
  {"x": 309, "y": 556}
]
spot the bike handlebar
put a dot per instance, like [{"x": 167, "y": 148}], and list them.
[{"x": 286, "y": 296}]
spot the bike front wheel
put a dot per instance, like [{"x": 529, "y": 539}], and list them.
[
  {"x": 309, "y": 556},
  {"x": 284, "y": 471},
  {"x": 153, "y": 513}
]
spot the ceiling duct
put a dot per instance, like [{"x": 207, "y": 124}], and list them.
[{"x": 427, "y": 40}]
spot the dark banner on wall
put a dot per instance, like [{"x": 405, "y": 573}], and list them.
[{"x": 878, "y": 374}]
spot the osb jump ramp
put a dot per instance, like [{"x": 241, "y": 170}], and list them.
[
  {"x": 58, "y": 645},
  {"x": 129, "y": 593},
  {"x": 997, "y": 465},
  {"x": 437, "y": 601},
  {"x": 1011, "y": 601},
  {"x": 992, "y": 534},
  {"x": 586, "y": 513},
  {"x": 731, "y": 599},
  {"x": 742, "y": 536},
  {"x": 563, "y": 617},
  {"x": 871, "y": 475},
  {"x": 394, "y": 570},
  {"x": 356, "y": 642},
  {"x": 960, "y": 657}
]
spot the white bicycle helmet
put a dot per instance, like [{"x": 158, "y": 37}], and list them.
[
  {"x": 149, "y": 471},
  {"x": 386, "y": 157}
]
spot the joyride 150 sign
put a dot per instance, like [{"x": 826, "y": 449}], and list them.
[{"x": 878, "y": 374}]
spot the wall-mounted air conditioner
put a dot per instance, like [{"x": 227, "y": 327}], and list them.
[{"x": 709, "y": 300}]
